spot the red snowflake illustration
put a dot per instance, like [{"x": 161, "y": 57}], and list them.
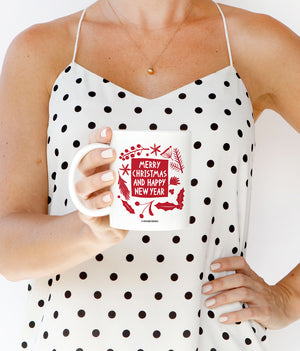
[
  {"x": 155, "y": 149},
  {"x": 125, "y": 169}
]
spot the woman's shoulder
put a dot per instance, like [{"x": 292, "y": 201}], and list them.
[{"x": 46, "y": 46}]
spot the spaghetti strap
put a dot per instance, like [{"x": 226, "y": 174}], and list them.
[
  {"x": 226, "y": 33},
  {"x": 77, "y": 36}
]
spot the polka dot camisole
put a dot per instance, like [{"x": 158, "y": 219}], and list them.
[{"x": 144, "y": 294}]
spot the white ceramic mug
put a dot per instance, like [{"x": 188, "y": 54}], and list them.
[{"x": 152, "y": 187}]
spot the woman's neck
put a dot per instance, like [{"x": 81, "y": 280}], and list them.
[{"x": 148, "y": 14}]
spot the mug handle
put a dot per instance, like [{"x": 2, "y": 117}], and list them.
[{"x": 100, "y": 212}]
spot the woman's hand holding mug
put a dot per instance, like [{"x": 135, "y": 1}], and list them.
[{"x": 93, "y": 187}]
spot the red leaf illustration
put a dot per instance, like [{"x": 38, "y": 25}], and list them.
[
  {"x": 128, "y": 207},
  {"x": 150, "y": 209},
  {"x": 167, "y": 206},
  {"x": 174, "y": 181},
  {"x": 180, "y": 196},
  {"x": 178, "y": 159},
  {"x": 123, "y": 188}
]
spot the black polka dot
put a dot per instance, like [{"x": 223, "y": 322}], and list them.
[
  {"x": 66, "y": 97},
  {"x": 240, "y": 133},
  {"x": 204, "y": 238},
  {"x": 174, "y": 277},
  {"x": 68, "y": 69},
  {"x": 76, "y": 143},
  {"x": 214, "y": 126},
  {"x": 128, "y": 295},
  {"x": 81, "y": 313},
  {"x": 238, "y": 101},
  {"x": 107, "y": 109},
  {"x": 83, "y": 275},
  {"x": 129, "y": 258},
  {"x": 66, "y": 332},
  {"x": 54, "y": 117},
  {"x": 211, "y": 314},
  {"x": 55, "y": 87},
  {"x": 198, "y": 110},
  {"x": 68, "y": 294},
  {"x": 217, "y": 241},
  {"x": 122, "y": 126},
  {"x": 231, "y": 228},
  {"x": 92, "y": 125},
  {"x": 24, "y": 345},
  {"x": 210, "y": 163},
  {"x": 211, "y": 277},
  {"x": 212, "y": 96},
  {"x": 188, "y": 295},
  {"x": 248, "y": 341},
  {"x": 226, "y": 146},
  {"x": 186, "y": 333},
  {"x": 225, "y": 205},
  {"x": 78, "y": 108},
  {"x": 45, "y": 335},
  {"x": 158, "y": 296},
  {"x": 97, "y": 295},
  {"x": 142, "y": 314},
  {"x": 153, "y": 126},
  {"x": 194, "y": 182},
  {"x": 156, "y": 333},
  {"x": 41, "y": 303},
  {"x": 225, "y": 336},
  {"x": 31, "y": 324},
  {"x": 112, "y": 314},
  {"x": 176, "y": 239},
  {"x": 55, "y": 315},
  {"x": 227, "y": 112},
  {"x": 168, "y": 110},
  {"x": 192, "y": 219},
  {"x": 198, "y": 82},
  {"x": 182, "y": 96},
  {"x": 233, "y": 169},
  {"x": 183, "y": 127},
  {"x": 226, "y": 83},
  {"x": 138, "y": 110},
  {"x": 190, "y": 257},
  {"x": 64, "y": 128},
  {"x": 207, "y": 201},
  {"x": 160, "y": 258},
  {"x": 234, "y": 250},
  {"x": 144, "y": 276},
  {"x": 197, "y": 145},
  {"x": 113, "y": 277},
  {"x": 92, "y": 94},
  {"x": 121, "y": 94},
  {"x": 78, "y": 80},
  {"x": 172, "y": 315},
  {"x": 126, "y": 333},
  {"x": 146, "y": 239},
  {"x": 96, "y": 333}
]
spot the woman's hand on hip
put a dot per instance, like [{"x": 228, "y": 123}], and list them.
[{"x": 266, "y": 303}]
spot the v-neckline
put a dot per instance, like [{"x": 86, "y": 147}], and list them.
[{"x": 142, "y": 98}]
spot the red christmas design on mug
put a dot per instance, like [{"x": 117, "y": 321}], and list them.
[{"x": 149, "y": 173}]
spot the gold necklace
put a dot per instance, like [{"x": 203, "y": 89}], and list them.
[{"x": 151, "y": 68}]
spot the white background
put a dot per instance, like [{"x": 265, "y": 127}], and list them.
[{"x": 274, "y": 242}]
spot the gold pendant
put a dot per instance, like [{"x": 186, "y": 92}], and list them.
[{"x": 150, "y": 70}]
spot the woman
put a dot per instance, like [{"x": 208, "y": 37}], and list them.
[{"x": 193, "y": 65}]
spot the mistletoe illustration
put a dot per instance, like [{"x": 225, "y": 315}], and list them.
[
  {"x": 168, "y": 206},
  {"x": 148, "y": 205},
  {"x": 134, "y": 151},
  {"x": 123, "y": 187}
]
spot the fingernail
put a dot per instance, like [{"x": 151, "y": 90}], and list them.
[
  {"x": 107, "y": 153},
  {"x": 210, "y": 302},
  {"x": 106, "y": 177},
  {"x": 103, "y": 133},
  {"x": 106, "y": 198},
  {"x": 223, "y": 319},
  {"x": 215, "y": 266},
  {"x": 206, "y": 288}
]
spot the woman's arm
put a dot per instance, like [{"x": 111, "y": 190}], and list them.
[{"x": 33, "y": 244}]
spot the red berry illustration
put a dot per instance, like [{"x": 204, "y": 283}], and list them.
[
  {"x": 137, "y": 204},
  {"x": 132, "y": 147},
  {"x": 141, "y": 215},
  {"x": 126, "y": 150},
  {"x": 138, "y": 145}
]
